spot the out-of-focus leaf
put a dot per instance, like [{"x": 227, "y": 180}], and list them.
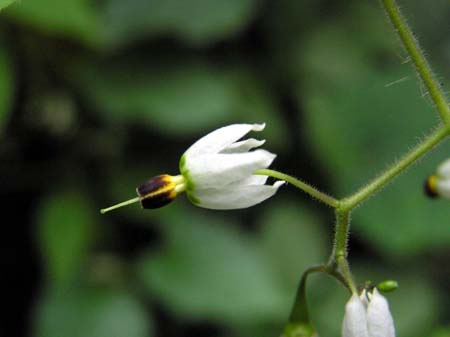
[
  {"x": 293, "y": 240},
  {"x": 65, "y": 224},
  {"x": 81, "y": 312},
  {"x": 359, "y": 119},
  {"x": 208, "y": 270},
  {"x": 76, "y": 19},
  {"x": 196, "y": 22},
  {"x": 180, "y": 99},
  {"x": 5, "y": 3},
  {"x": 6, "y": 87},
  {"x": 256, "y": 103},
  {"x": 442, "y": 332}
]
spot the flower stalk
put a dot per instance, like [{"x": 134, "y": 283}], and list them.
[{"x": 312, "y": 191}]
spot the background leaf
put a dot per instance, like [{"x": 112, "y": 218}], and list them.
[
  {"x": 164, "y": 95},
  {"x": 79, "y": 312},
  {"x": 76, "y": 19},
  {"x": 6, "y": 87},
  {"x": 65, "y": 222},
  {"x": 196, "y": 22},
  {"x": 226, "y": 280},
  {"x": 5, "y": 3}
]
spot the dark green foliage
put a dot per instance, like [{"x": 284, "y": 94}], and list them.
[{"x": 98, "y": 96}]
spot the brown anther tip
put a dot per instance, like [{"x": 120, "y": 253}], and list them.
[{"x": 156, "y": 192}]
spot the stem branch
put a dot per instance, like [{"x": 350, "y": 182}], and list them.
[
  {"x": 339, "y": 254},
  {"x": 299, "y": 313},
  {"x": 368, "y": 190},
  {"x": 420, "y": 62}
]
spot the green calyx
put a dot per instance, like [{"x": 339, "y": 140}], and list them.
[
  {"x": 299, "y": 330},
  {"x": 188, "y": 181},
  {"x": 185, "y": 173}
]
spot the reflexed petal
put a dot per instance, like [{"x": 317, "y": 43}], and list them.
[
  {"x": 443, "y": 170},
  {"x": 218, "y": 170},
  {"x": 379, "y": 319},
  {"x": 355, "y": 321},
  {"x": 233, "y": 197},
  {"x": 219, "y": 139},
  {"x": 443, "y": 188},
  {"x": 243, "y": 146}
]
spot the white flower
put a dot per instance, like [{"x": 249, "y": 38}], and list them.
[
  {"x": 368, "y": 316},
  {"x": 218, "y": 169},
  {"x": 441, "y": 181},
  {"x": 217, "y": 172}
]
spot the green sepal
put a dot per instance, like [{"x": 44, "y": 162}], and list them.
[{"x": 299, "y": 330}]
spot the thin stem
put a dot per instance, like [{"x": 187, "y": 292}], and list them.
[
  {"x": 339, "y": 254},
  {"x": 299, "y": 312},
  {"x": 345, "y": 269},
  {"x": 423, "y": 68},
  {"x": 125, "y": 203},
  {"x": 341, "y": 234},
  {"x": 421, "y": 149},
  {"x": 312, "y": 191}
]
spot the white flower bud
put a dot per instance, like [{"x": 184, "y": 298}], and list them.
[
  {"x": 438, "y": 185},
  {"x": 368, "y": 316},
  {"x": 379, "y": 319},
  {"x": 355, "y": 320}
]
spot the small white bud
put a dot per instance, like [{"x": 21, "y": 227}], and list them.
[{"x": 368, "y": 316}]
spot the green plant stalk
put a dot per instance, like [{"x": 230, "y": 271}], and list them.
[
  {"x": 420, "y": 62},
  {"x": 299, "y": 312},
  {"x": 339, "y": 254},
  {"x": 315, "y": 193},
  {"x": 411, "y": 157}
]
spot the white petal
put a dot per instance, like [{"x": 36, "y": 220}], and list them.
[
  {"x": 243, "y": 146},
  {"x": 233, "y": 197},
  {"x": 443, "y": 188},
  {"x": 219, "y": 139},
  {"x": 218, "y": 170},
  {"x": 355, "y": 321},
  {"x": 379, "y": 319},
  {"x": 443, "y": 171},
  {"x": 252, "y": 180}
]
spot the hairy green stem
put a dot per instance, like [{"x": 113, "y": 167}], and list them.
[
  {"x": 420, "y": 62},
  {"x": 376, "y": 184},
  {"x": 339, "y": 254},
  {"x": 312, "y": 191},
  {"x": 299, "y": 312}
]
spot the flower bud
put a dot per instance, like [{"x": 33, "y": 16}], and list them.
[
  {"x": 368, "y": 316},
  {"x": 355, "y": 320},
  {"x": 387, "y": 286},
  {"x": 438, "y": 185},
  {"x": 379, "y": 319}
]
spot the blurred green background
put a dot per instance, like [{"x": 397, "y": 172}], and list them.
[{"x": 96, "y": 96}]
